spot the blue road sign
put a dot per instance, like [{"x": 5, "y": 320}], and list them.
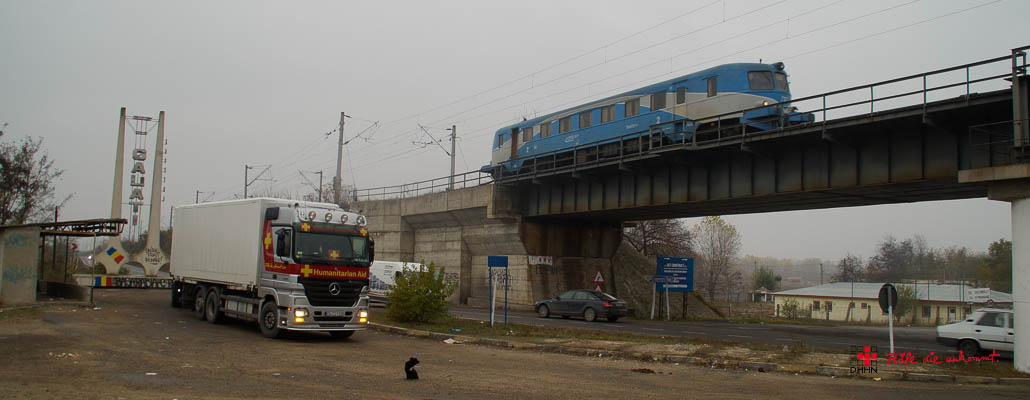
[
  {"x": 675, "y": 274},
  {"x": 497, "y": 261}
]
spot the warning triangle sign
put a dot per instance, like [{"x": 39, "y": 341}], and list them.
[
  {"x": 597, "y": 288},
  {"x": 599, "y": 278}
]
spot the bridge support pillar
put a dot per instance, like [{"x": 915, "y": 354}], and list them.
[{"x": 1011, "y": 183}]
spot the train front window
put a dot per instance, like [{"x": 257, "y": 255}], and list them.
[
  {"x": 781, "y": 82},
  {"x": 760, "y": 80}
]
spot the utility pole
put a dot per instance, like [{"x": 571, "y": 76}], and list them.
[
  {"x": 820, "y": 273},
  {"x": 338, "y": 180},
  {"x": 454, "y": 131},
  {"x": 319, "y": 186},
  {"x": 197, "y": 200},
  {"x": 247, "y": 181}
]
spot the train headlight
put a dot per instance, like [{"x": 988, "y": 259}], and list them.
[{"x": 765, "y": 103}]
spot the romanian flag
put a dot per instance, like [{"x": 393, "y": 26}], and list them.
[
  {"x": 102, "y": 281},
  {"x": 118, "y": 257}
]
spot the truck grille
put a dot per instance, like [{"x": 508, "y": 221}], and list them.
[{"x": 319, "y": 295}]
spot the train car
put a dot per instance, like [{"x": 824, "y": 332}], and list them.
[{"x": 716, "y": 102}]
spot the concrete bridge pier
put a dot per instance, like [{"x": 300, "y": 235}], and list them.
[
  {"x": 1012, "y": 184},
  {"x": 459, "y": 229}
]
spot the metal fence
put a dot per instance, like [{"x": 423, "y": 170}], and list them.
[{"x": 442, "y": 184}]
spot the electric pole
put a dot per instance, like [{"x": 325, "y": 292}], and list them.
[
  {"x": 338, "y": 180},
  {"x": 247, "y": 181},
  {"x": 454, "y": 131}
]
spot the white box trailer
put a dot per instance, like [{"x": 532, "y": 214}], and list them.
[{"x": 289, "y": 265}]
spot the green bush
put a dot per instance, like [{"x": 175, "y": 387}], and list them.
[
  {"x": 791, "y": 309},
  {"x": 420, "y": 296}
]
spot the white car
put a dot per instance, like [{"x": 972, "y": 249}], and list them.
[{"x": 986, "y": 329}]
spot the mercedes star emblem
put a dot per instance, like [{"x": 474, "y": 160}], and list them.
[{"x": 334, "y": 289}]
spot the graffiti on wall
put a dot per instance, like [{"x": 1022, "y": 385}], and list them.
[
  {"x": 15, "y": 274},
  {"x": 133, "y": 282}
]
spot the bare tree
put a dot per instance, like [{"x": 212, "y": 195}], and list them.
[
  {"x": 661, "y": 237},
  {"x": 27, "y": 176},
  {"x": 716, "y": 243},
  {"x": 849, "y": 269}
]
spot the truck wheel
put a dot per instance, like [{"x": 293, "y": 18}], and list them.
[
  {"x": 341, "y": 334},
  {"x": 176, "y": 294},
  {"x": 269, "y": 320},
  {"x": 199, "y": 298},
  {"x": 213, "y": 314}
]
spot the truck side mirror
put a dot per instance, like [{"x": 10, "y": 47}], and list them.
[{"x": 271, "y": 213}]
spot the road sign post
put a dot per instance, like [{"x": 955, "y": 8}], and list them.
[
  {"x": 889, "y": 300},
  {"x": 491, "y": 263}
]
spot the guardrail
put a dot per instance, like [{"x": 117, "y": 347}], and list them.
[{"x": 435, "y": 185}]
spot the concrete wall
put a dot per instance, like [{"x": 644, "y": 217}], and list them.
[
  {"x": 457, "y": 230},
  {"x": 19, "y": 265}
]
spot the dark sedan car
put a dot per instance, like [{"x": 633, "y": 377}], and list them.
[{"x": 588, "y": 304}]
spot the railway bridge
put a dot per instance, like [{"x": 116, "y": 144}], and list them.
[{"x": 560, "y": 220}]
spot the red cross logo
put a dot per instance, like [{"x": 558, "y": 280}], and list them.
[{"x": 866, "y": 356}]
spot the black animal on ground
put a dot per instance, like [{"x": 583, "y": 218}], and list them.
[{"x": 409, "y": 368}]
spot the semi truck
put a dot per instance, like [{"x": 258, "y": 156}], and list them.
[{"x": 287, "y": 265}]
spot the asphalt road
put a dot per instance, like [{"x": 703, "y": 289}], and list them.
[
  {"x": 135, "y": 346},
  {"x": 916, "y": 340}
]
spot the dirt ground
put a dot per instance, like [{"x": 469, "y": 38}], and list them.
[{"x": 136, "y": 346}]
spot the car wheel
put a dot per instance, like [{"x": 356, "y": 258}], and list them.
[
  {"x": 269, "y": 320},
  {"x": 543, "y": 311},
  {"x": 341, "y": 334},
  {"x": 969, "y": 347},
  {"x": 213, "y": 314},
  {"x": 199, "y": 298},
  {"x": 613, "y": 319},
  {"x": 590, "y": 315}
]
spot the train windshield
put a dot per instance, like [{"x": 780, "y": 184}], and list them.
[
  {"x": 781, "y": 81},
  {"x": 760, "y": 80}
]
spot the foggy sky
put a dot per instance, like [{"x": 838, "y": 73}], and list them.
[{"x": 261, "y": 83}]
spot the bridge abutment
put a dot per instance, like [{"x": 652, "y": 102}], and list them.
[
  {"x": 1012, "y": 184},
  {"x": 457, "y": 230}
]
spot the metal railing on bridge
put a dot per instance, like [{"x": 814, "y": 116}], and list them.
[
  {"x": 715, "y": 130},
  {"x": 435, "y": 185},
  {"x": 683, "y": 134}
]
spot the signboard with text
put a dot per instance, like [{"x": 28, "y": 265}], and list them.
[{"x": 675, "y": 274}]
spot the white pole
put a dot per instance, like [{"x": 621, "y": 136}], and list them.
[
  {"x": 890, "y": 316},
  {"x": 493, "y": 296},
  {"x": 654, "y": 292}
]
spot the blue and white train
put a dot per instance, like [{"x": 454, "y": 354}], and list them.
[{"x": 677, "y": 110}]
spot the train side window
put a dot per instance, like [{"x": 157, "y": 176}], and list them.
[
  {"x": 632, "y": 107},
  {"x": 545, "y": 129},
  {"x": 607, "y": 113},
  {"x": 527, "y": 134},
  {"x": 500, "y": 140},
  {"x": 584, "y": 119},
  {"x": 658, "y": 100},
  {"x": 781, "y": 82},
  {"x": 760, "y": 80},
  {"x": 564, "y": 124},
  {"x": 681, "y": 95},
  {"x": 713, "y": 86}
]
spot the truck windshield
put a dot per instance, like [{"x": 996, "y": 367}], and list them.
[{"x": 331, "y": 249}]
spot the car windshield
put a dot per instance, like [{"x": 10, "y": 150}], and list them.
[
  {"x": 331, "y": 249},
  {"x": 604, "y": 296}
]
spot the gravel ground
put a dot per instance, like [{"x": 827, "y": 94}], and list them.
[{"x": 136, "y": 346}]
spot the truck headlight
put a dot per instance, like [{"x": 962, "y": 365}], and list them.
[
  {"x": 363, "y": 314},
  {"x": 300, "y": 313}
]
